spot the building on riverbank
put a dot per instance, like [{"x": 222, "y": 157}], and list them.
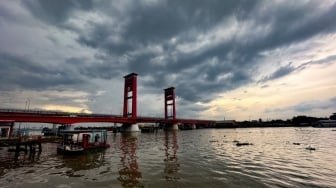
[
  {"x": 6, "y": 128},
  {"x": 226, "y": 124}
]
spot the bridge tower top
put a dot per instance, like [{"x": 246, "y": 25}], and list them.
[
  {"x": 130, "y": 94},
  {"x": 169, "y": 95}
]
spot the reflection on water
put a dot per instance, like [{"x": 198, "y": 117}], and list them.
[
  {"x": 12, "y": 161},
  {"x": 171, "y": 161},
  {"x": 83, "y": 162},
  {"x": 26, "y": 158},
  {"x": 196, "y": 158},
  {"x": 129, "y": 173}
]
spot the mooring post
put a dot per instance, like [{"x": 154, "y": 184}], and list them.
[
  {"x": 40, "y": 147},
  {"x": 31, "y": 147},
  {"x": 17, "y": 148},
  {"x": 25, "y": 150}
]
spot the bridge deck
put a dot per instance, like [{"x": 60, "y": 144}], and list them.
[{"x": 71, "y": 118}]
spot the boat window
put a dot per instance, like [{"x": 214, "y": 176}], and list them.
[{"x": 97, "y": 138}]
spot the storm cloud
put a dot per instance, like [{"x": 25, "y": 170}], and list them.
[{"x": 202, "y": 48}]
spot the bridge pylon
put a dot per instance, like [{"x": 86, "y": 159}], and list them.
[
  {"x": 170, "y": 109},
  {"x": 169, "y": 99},
  {"x": 130, "y": 94},
  {"x": 130, "y": 102}
]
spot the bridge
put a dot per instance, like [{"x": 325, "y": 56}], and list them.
[{"x": 129, "y": 119}]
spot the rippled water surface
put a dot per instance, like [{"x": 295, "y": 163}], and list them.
[{"x": 195, "y": 158}]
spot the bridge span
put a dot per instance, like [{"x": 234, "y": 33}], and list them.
[
  {"x": 128, "y": 119},
  {"x": 73, "y": 118}
]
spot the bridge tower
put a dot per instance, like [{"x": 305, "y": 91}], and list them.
[
  {"x": 130, "y": 94},
  {"x": 170, "y": 102},
  {"x": 170, "y": 109}
]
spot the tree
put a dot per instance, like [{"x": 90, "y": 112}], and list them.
[{"x": 333, "y": 117}]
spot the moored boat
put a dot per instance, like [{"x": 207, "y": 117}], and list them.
[
  {"x": 80, "y": 141},
  {"x": 325, "y": 123}
]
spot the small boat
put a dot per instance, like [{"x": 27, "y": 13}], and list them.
[
  {"x": 243, "y": 144},
  {"x": 80, "y": 141},
  {"x": 148, "y": 128},
  {"x": 325, "y": 123},
  {"x": 310, "y": 148}
]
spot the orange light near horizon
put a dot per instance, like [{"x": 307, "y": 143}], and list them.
[{"x": 64, "y": 108}]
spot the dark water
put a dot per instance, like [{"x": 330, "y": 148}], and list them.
[{"x": 195, "y": 158}]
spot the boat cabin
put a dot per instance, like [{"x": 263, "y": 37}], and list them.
[{"x": 78, "y": 141}]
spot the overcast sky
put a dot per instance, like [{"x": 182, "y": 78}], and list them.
[{"x": 227, "y": 59}]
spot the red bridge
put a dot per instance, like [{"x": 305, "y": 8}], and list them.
[{"x": 129, "y": 119}]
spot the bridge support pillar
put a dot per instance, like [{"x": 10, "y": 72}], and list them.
[
  {"x": 172, "y": 127},
  {"x": 11, "y": 130},
  {"x": 130, "y": 128},
  {"x": 175, "y": 127}
]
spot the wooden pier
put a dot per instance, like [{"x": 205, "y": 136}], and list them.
[{"x": 27, "y": 144}]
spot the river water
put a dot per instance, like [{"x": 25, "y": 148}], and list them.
[{"x": 194, "y": 158}]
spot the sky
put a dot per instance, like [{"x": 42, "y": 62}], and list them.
[{"x": 232, "y": 59}]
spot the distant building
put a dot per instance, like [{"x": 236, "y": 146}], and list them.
[{"x": 226, "y": 124}]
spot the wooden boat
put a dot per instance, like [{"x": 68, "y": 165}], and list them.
[{"x": 80, "y": 141}]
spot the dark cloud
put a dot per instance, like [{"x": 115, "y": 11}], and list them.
[
  {"x": 293, "y": 22},
  {"x": 288, "y": 69},
  {"x": 56, "y": 12},
  {"x": 282, "y": 71},
  {"x": 313, "y": 105},
  {"x": 157, "y": 25},
  {"x": 98, "y": 69},
  {"x": 197, "y": 90},
  {"x": 143, "y": 24},
  {"x": 21, "y": 72},
  {"x": 306, "y": 107},
  {"x": 173, "y": 18},
  {"x": 203, "y": 48},
  {"x": 149, "y": 25},
  {"x": 186, "y": 109},
  {"x": 328, "y": 60}
]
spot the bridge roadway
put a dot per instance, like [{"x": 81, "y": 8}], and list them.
[{"x": 72, "y": 118}]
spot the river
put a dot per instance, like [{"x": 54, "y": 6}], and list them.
[{"x": 193, "y": 158}]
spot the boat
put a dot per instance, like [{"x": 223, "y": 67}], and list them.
[
  {"x": 148, "y": 128},
  {"x": 48, "y": 132},
  {"x": 325, "y": 123},
  {"x": 81, "y": 141}
]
